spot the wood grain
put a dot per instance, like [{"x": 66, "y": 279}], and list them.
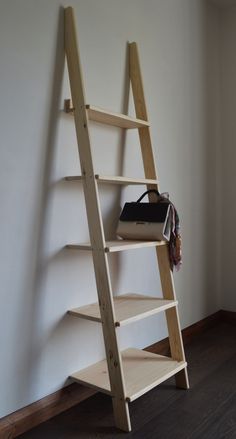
[
  {"x": 34, "y": 414},
  {"x": 142, "y": 371},
  {"x": 114, "y": 179},
  {"x": 128, "y": 308},
  {"x": 96, "y": 231},
  {"x": 172, "y": 317},
  {"x": 108, "y": 117},
  {"x": 119, "y": 120},
  {"x": 118, "y": 245}
]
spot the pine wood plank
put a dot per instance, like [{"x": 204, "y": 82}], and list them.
[
  {"x": 48, "y": 407},
  {"x": 73, "y": 178},
  {"x": 82, "y": 114},
  {"x": 176, "y": 343},
  {"x": 172, "y": 316},
  {"x": 119, "y": 245},
  {"x": 128, "y": 308},
  {"x": 142, "y": 371},
  {"x": 96, "y": 232},
  {"x": 108, "y": 117},
  {"x": 115, "y": 179}
]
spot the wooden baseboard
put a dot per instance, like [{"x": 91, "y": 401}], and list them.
[
  {"x": 34, "y": 414},
  {"x": 163, "y": 348},
  {"x": 40, "y": 411}
]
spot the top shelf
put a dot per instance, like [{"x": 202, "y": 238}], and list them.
[
  {"x": 118, "y": 120},
  {"x": 115, "y": 179},
  {"x": 108, "y": 117}
]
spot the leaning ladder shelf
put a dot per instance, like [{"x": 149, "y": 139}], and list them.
[{"x": 125, "y": 375}]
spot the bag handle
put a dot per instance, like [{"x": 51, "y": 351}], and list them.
[{"x": 153, "y": 191}]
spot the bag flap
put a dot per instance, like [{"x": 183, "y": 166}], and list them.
[{"x": 147, "y": 212}]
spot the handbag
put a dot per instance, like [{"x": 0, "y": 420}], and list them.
[{"x": 145, "y": 220}]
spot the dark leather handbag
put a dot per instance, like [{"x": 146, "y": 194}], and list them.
[{"x": 145, "y": 221}]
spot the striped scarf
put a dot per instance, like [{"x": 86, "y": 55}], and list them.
[{"x": 175, "y": 253}]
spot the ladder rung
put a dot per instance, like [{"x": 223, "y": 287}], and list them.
[
  {"x": 114, "y": 179},
  {"x": 142, "y": 372},
  {"x": 117, "y": 246},
  {"x": 128, "y": 308},
  {"x": 109, "y": 117}
]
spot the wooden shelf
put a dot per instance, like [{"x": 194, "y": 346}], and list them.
[
  {"x": 114, "y": 179},
  {"x": 128, "y": 308},
  {"x": 109, "y": 117},
  {"x": 142, "y": 372},
  {"x": 117, "y": 246},
  {"x": 119, "y": 120}
]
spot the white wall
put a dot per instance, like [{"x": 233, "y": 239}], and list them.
[
  {"x": 40, "y": 345},
  {"x": 228, "y": 157}
]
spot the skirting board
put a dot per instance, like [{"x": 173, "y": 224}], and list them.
[
  {"x": 34, "y": 414},
  {"x": 40, "y": 411}
]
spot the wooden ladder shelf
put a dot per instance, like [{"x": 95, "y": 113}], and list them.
[{"x": 129, "y": 374}]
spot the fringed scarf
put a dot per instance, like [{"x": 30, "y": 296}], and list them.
[{"x": 175, "y": 253}]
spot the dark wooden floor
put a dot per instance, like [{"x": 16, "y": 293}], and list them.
[{"x": 206, "y": 411}]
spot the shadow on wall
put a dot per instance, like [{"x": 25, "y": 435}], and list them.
[
  {"x": 212, "y": 195},
  {"x": 31, "y": 357},
  {"x": 203, "y": 225},
  {"x": 110, "y": 220}
]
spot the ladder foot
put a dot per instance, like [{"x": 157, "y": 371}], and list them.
[
  {"x": 181, "y": 379},
  {"x": 121, "y": 414}
]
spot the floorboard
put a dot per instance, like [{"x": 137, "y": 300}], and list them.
[{"x": 206, "y": 411}]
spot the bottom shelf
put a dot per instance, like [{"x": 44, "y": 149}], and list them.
[{"x": 142, "y": 371}]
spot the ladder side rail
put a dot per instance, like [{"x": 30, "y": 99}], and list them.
[
  {"x": 120, "y": 406},
  {"x": 172, "y": 316},
  {"x": 141, "y": 113},
  {"x": 175, "y": 336}
]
